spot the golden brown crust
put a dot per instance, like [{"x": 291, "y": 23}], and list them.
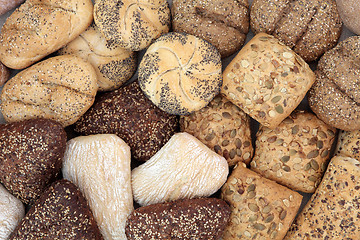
[
  {"x": 223, "y": 127},
  {"x": 61, "y": 88},
  {"x": 133, "y": 25},
  {"x": 180, "y": 73},
  {"x": 38, "y": 28},
  {"x": 296, "y": 153},
  {"x": 309, "y": 27},
  {"x": 222, "y": 23},
  {"x": 348, "y": 144}
]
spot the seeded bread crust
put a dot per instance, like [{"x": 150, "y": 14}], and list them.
[
  {"x": 223, "y": 127},
  {"x": 203, "y": 218},
  {"x": 267, "y": 80},
  {"x": 309, "y": 27},
  {"x": 133, "y": 25},
  {"x": 38, "y": 28},
  {"x": 335, "y": 96},
  {"x": 224, "y": 24},
  {"x": 113, "y": 65},
  {"x": 261, "y": 208},
  {"x": 348, "y": 144},
  {"x": 296, "y": 153},
  {"x": 31, "y": 156},
  {"x": 60, "y": 88},
  {"x": 180, "y": 73},
  {"x": 333, "y": 210}
]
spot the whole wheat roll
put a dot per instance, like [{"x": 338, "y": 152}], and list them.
[{"x": 40, "y": 27}]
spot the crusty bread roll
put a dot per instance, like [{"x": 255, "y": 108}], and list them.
[
  {"x": 4, "y": 74},
  {"x": 132, "y": 24},
  {"x": 7, "y": 5},
  {"x": 349, "y": 13},
  {"x": 100, "y": 166},
  {"x": 40, "y": 27},
  {"x": 11, "y": 212},
  {"x": 61, "y": 88},
  {"x": 113, "y": 65},
  {"x": 180, "y": 73}
]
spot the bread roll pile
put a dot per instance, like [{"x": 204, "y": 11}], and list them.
[{"x": 157, "y": 119}]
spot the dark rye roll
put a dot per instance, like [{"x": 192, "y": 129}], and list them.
[
  {"x": 335, "y": 96},
  {"x": 60, "y": 213},
  {"x": 31, "y": 156},
  {"x": 224, "y": 23},
  {"x": 180, "y": 73},
  {"x": 309, "y": 27},
  {"x": 127, "y": 113},
  {"x": 131, "y": 24},
  {"x": 203, "y": 218}
]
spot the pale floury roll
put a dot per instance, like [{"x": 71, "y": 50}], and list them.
[
  {"x": 11, "y": 212},
  {"x": 100, "y": 166},
  {"x": 183, "y": 168},
  {"x": 38, "y": 28}
]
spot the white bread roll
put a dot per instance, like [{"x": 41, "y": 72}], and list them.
[
  {"x": 180, "y": 73},
  {"x": 113, "y": 65},
  {"x": 40, "y": 27},
  {"x": 11, "y": 212},
  {"x": 132, "y": 24},
  {"x": 100, "y": 166}
]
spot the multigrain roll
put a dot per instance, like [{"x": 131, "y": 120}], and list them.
[
  {"x": 295, "y": 153},
  {"x": 348, "y": 144},
  {"x": 60, "y": 213},
  {"x": 260, "y": 208},
  {"x": 333, "y": 210},
  {"x": 7, "y": 5},
  {"x": 38, "y": 28},
  {"x": 113, "y": 65},
  {"x": 224, "y": 24},
  {"x": 335, "y": 96},
  {"x": 349, "y": 12},
  {"x": 309, "y": 27},
  {"x": 180, "y": 73},
  {"x": 267, "y": 80},
  {"x": 127, "y": 113},
  {"x": 4, "y": 74},
  {"x": 31, "y": 156},
  {"x": 131, "y": 24},
  {"x": 61, "y": 88},
  {"x": 224, "y": 128},
  {"x": 202, "y": 218}
]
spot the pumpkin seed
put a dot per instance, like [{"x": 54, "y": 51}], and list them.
[
  {"x": 314, "y": 165},
  {"x": 282, "y": 214},
  {"x": 259, "y": 226},
  {"x": 279, "y": 109},
  {"x": 269, "y": 218},
  {"x": 253, "y": 207},
  {"x": 285, "y": 159}
]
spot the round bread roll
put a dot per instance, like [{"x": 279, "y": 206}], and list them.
[
  {"x": 224, "y": 23},
  {"x": 180, "y": 73},
  {"x": 335, "y": 96},
  {"x": 113, "y": 65},
  {"x": 61, "y": 88},
  {"x": 309, "y": 27},
  {"x": 349, "y": 12},
  {"x": 38, "y": 28},
  {"x": 132, "y": 24},
  {"x": 4, "y": 74}
]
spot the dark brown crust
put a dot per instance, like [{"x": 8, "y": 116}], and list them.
[
  {"x": 127, "y": 113},
  {"x": 60, "y": 213},
  {"x": 4, "y": 74},
  {"x": 309, "y": 27},
  {"x": 222, "y": 23},
  {"x": 31, "y": 156},
  {"x": 203, "y": 218}
]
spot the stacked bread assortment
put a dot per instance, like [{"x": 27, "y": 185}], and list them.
[{"x": 155, "y": 119}]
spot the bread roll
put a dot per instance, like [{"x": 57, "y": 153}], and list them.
[
  {"x": 31, "y": 156},
  {"x": 132, "y": 24},
  {"x": 267, "y": 80},
  {"x": 180, "y": 73},
  {"x": 61, "y": 88},
  {"x": 183, "y": 168},
  {"x": 335, "y": 96},
  {"x": 4, "y": 74},
  {"x": 349, "y": 12},
  {"x": 113, "y": 65},
  {"x": 348, "y": 144},
  {"x": 11, "y": 212},
  {"x": 38, "y": 28},
  {"x": 223, "y": 23},
  {"x": 100, "y": 166},
  {"x": 309, "y": 27},
  {"x": 7, "y": 5},
  {"x": 60, "y": 213}
]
